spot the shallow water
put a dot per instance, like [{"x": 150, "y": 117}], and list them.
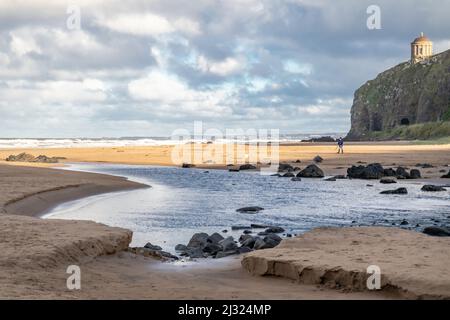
[{"x": 184, "y": 201}]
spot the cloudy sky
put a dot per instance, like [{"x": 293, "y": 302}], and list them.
[{"x": 145, "y": 68}]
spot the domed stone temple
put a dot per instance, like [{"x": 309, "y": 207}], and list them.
[{"x": 421, "y": 49}]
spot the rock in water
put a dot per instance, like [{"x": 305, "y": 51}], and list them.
[
  {"x": 253, "y": 209},
  {"x": 152, "y": 247},
  {"x": 318, "y": 159},
  {"x": 212, "y": 248},
  {"x": 296, "y": 179},
  {"x": 401, "y": 172},
  {"x": 432, "y": 188},
  {"x": 288, "y": 175},
  {"x": 228, "y": 244},
  {"x": 387, "y": 180},
  {"x": 415, "y": 174},
  {"x": 247, "y": 167},
  {"x": 215, "y": 238},
  {"x": 187, "y": 165},
  {"x": 371, "y": 171},
  {"x": 274, "y": 230},
  {"x": 389, "y": 172},
  {"x": 436, "y": 231},
  {"x": 198, "y": 240},
  {"x": 311, "y": 171},
  {"x": 396, "y": 191},
  {"x": 180, "y": 247}
]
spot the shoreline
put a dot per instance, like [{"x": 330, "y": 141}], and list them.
[{"x": 37, "y": 203}]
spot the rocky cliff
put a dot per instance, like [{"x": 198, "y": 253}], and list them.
[{"x": 402, "y": 96}]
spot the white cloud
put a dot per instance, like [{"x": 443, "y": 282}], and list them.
[
  {"x": 169, "y": 94},
  {"x": 25, "y": 93},
  {"x": 222, "y": 68},
  {"x": 148, "y": 24},
  {"x": 23, "y": 44},
  {"x": 298, "y": 68}
]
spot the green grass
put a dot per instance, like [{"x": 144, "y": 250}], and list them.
[{"x": 437, "y": 131}]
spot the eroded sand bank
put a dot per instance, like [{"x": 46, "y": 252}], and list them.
[{"x": 412, "y": 264}]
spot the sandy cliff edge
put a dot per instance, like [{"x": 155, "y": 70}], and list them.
[{"x": 413, "y": 264}]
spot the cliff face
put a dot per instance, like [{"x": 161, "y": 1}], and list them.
[{"x": 401, "y": 96}]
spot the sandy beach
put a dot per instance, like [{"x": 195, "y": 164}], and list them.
[
  {"x": 35, "y": 253},
  {"x": 386, "y": 153}
]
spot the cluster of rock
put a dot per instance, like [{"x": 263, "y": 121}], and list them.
[
  {"x": 154, "y": 251},
  {"x": 26, "y": 157},
  {"x": 376, "y": 171},
  {"x": 202, "y": 245},
  {"x": 311, "y": 171}
]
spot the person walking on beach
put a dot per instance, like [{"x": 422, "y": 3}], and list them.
[{"x": 340, "y": 143}]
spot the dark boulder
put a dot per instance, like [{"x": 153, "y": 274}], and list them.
[
  {"x": 198, "y": 240},
  {"x": 288, "y": 175},
  {"x": 387, "y": 180},
  {"x": 402, "y": 172},
  {"x": 247, "y": 167},
  {"x": 250, "y": 242},
  {"x": 415, "y": 174},
  {"x": 252, "y": 209},
  {"x": 311, "y": 171},
  {"x": 212, "y": 248},
  {"x": 371, "y": 171},
  {"x": 187, "y": 165},
  {"x": 259, "y": 226},
  {"x": 215, "y": 238},
  {"x": 180, "y": 247},
  {"x": 244, "y": 237},
  {"x": 274, "y": 230},
  {"x": 274, "y": 237},
  {"x": 296, "y": 179},
  {"x": 396, "y": 191},
  {"x": 330, "y": 179},
  {"x": 228, "y": 244},
  {"x": 437, "y": 232},
  {"x": 432, "y": 188},
  {"x": 389, "y": 172},
  {"x": 152, "y": 247},
  {"x": 318, "y": 159}
]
